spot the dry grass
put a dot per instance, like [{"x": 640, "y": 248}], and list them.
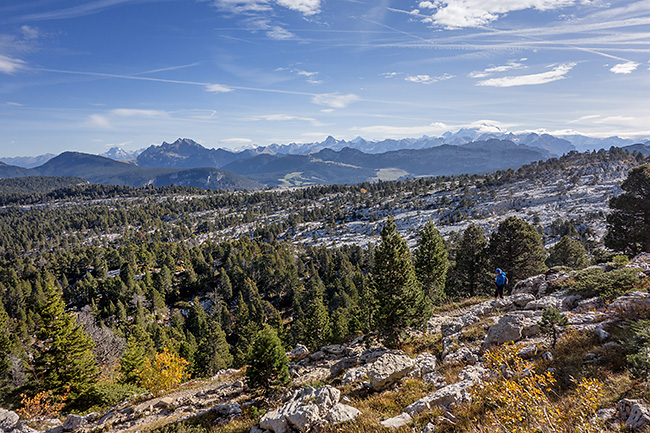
[{"x": 462, "y": 304}]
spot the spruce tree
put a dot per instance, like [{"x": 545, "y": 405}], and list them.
[
  {"x": 516, "y": 247},
  {"x": 471, "y": 272},
  {"x": 66, "y": 363},
  {"x": 268, "y": 362},
  {"x": 401, "y": 301},
  {"x": 316, "y": 321},
  {"x": 430, "y": 260}
]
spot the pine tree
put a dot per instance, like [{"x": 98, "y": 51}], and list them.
[
  {"x": 132, "y": 362},
  {"x": 628, "y": 224},
  {"x": 471, "y": 273},
  {"x": 316, "y": 321},
  {"x": 516, "y": 247},
  {"x": 268, "y": 362},
  {"x": 400, "y": 298},
  {"x": 213, "y": 352},
  {"x": 568, "y": 252},
  {"x": 66, "y": 361},
  {"x": 430, "y": 260}
]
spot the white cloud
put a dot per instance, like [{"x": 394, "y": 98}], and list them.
[
  {"x": 474, "y": 13},
  {"x": 307, "y": 7},
  {"x": 496, "y": 69},
  {"x": 427, "y": 79},
  {"x": 278, "y": 33},
  {"x": 624, "y": 68},
  {"x": 10, "y": 65},
  {"x": 133, "y": 112},
  {"x": 390, "y": 74},
  {"x": 334, "y": 100},
  {"x": 29, "y": 32},
  {"x": 404, "y": 131},
  {"x": 236, "y": 141},
  {"x": 99, "y": 121},
  {"x": 557, "y": 73},
  {"x": 287, "y": 117},
  {"x": 218, "y": 88}
]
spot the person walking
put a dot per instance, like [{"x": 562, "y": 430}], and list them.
[{"x": 500, "y": 282}]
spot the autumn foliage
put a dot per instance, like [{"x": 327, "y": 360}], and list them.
[
  {"x": 518, "y": 400},
  {"x": 166, "y": 371}
]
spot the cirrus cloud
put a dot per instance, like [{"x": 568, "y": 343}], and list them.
[
  {"x": 218, "y": 88},
  {"x": 557, "y": 73},
  {"x": 10, "y": 65}
]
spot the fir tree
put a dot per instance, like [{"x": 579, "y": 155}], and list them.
[
  {"x": 430, "y": 260},
  {"x": 400, "y": 298},
  {"x": 268, "y": 362},
  {"x": 66, "y": 362},
  {"x": 316, "y": 322}
]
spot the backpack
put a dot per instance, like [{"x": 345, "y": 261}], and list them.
[{"x": 501, "y": 279}]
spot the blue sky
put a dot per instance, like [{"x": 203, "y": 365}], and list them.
[{"x": 89, "y": 75}]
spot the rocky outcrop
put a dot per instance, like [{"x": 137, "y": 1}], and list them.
[
  {"x": 513, "y": 327},
  {"x": 10, "y": 423},
  {"x": 388, "y": 369},
  {"x": 634, "y": 413},
  {"x": 308, "y": 409}
]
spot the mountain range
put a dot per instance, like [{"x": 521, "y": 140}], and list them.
[{"x": 188, "y": 163}]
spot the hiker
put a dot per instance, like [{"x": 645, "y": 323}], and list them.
[{"x": 500, "y": 282}]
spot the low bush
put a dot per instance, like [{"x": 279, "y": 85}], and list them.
[{"x": 608, "y": 285}]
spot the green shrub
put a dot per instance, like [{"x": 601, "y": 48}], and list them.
[
  {"x": 607, "y": 285},
  {"x": 639, "y": 345},
  {"x": 108, "y": 394}
]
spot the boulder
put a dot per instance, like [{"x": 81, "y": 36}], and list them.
[
  {"x": 528, "y": 351},
  {"x": 591, "y": 304},
  {"x": 341, "y": 413},
  {"x": 630, "y": 305},
  {"x": 426, "y": 363},
  {"x": 300, "y": 351},
  {"x": 73, "y": 422},
  {"x": 8, "y": 420},
  {"x": 354, "y": 375},
  {"x": 451, "y": 326},
  {"x": 436, "y": 379},
  {"x": 640, "y": 262},
  {"x": 306, "y": 410},
  {"x": 513, "y": 327},
  {"x": 388, "y": 369},
  {"x": 531, "y": 286},
  {"x": 513, "y": 302},
  {"x": 398, "y": 421},
  {"x": 444, "y": 397},
  {"x": 343, "y": 365},
  {"x": 562, "y": 301},
  {"x": 639, "y": 417},
  {"x": 475, "y": 373},
  {"x": 462, "y": 356}
]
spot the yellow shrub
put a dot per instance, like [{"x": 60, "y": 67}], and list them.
[
  {"x": 518, "y": 400},
  {"x": 166, "y": 371},
  {"x": 43, "y": 405}
]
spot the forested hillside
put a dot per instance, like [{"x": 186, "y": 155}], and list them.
[{"x": 99, "y": 283}]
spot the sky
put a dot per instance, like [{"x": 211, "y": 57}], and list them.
[{"x": 88, "y": 75}]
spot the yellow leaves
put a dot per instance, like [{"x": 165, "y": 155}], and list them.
[
  {"x": 519, "y": 400},
  {"x": 42, "y": 406},
  {"x": 166, "y": 371}
]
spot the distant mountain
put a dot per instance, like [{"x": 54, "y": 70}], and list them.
[
  {"x": 186, "y": 153},
  {"x": 351, "y": 165},
  {"x": 98, "y": 169},
  {"x": 639, "y": 147},
  {"x": 8, "y": 171},
  {"x": 28, "y": 161},
  {"x": 37, "y": 184},
  {"x": 583, "y": 143},
  {"x": 119, "y": 154}
]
